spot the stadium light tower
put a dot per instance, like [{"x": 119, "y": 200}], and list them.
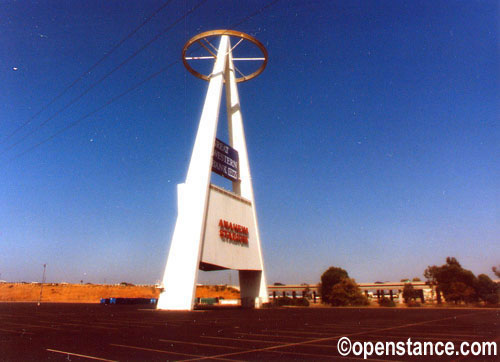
[{"x": 217, "y": 229}]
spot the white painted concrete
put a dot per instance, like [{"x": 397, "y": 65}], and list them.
[
  {"x": 224, "y": 252},
  {"x": 181, "y": 271},
  {"x": 244, "y": 187},
  {"x": 196, "y": 232}
]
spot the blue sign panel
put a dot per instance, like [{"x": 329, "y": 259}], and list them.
[{"x": 225, "y": 161}]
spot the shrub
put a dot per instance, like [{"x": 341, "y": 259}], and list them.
[
  {"x": 347, "y": 292},
  {"x": 386, "y": 302},
  {"x": 337, "y": 289},
  {"x": 283, "y": 301},
  {"x": 329, "y": 279},
  {"x": 299, "y": 302},
  {"x": 413, "y": 303},
  {"x": 409, "y": 293}
]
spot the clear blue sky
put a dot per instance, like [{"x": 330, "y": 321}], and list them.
[{"x": 373, "y": 137}]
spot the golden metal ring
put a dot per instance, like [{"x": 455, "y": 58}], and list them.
[{"x": 221, "y": 32}]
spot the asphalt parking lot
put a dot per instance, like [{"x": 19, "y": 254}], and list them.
[{"x": 77, "y": 332}]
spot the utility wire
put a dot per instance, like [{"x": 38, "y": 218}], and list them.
[
  {"x": 106, "y": 55},
  {"x": 253, "y": 14},
  {"x": 74, "y": 100},
  {"x": 114, "y": 99}
]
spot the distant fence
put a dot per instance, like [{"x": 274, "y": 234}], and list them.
[{"x": 129, "y": 301}]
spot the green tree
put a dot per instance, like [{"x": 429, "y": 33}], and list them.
[
  {"x": 346, "y": 292},
  {"x": 430, "y": 274},
  {"x": 330, "y": 277},
  {"x": 496, "y": 271},
  {"x": 456, "y": 283},
  {"x": 487, "y": 289},
  {"x": 458, "y": 291},
  {"x": 409, "y": 293}
]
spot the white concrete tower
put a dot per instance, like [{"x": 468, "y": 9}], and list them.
[{"x": 217, "y": 229}]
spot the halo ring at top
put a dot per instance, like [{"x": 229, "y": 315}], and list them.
[{"x": 243, "y": 36}]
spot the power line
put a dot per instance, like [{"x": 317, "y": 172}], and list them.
[
  {"x": 114, "y": 99},
  {"x": 255, "y": 13},
  {"x": 105, "y": 56},
  {"x": 74, "y": 100}
]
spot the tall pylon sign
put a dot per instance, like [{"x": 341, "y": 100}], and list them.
[{"x": 217, "y": 229}]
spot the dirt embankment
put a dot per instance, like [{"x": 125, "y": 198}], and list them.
[
  {"x": 217, "y": 291},
  {"x": 92, "y": 293}
]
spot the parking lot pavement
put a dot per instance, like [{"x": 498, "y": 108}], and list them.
[{"x": 133, "y": 333}]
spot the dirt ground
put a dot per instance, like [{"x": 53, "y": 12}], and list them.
[{"x": 92, "y": 293}]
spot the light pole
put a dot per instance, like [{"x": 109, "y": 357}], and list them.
[{"x": 41, "y": 286}]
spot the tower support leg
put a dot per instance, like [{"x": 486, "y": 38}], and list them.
[
  {"x": 183, "y": 260},
  {"x": 250, "y": 285}
]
